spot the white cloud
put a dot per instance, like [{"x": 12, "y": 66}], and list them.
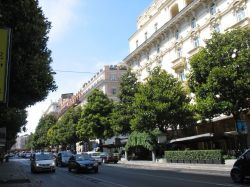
[{"x": 61, "y": 13}]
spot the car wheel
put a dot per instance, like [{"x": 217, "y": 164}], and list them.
[
  {"x": 69, "y": 169},
  {"x": 33, "y": 170},
  {"x": 237, "y": 176},
  {"x": 59, "y": 164},
  {"x": 115, "y": 162},
  {"x": 53, "y": 170},
  {"x": 96, "y": 170}
]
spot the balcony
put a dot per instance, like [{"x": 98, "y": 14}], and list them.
[
  {"x": 194, "y": 50},
  {"x": 179, "y": 63},
  {"x": 244, "y": 23}
]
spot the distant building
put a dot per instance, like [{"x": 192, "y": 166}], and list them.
[
  {"x": 21, "y": 141},
  {"x": 53, "y": 108}
]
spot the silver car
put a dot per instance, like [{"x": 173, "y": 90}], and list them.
[{"x": 42, "y": 162}]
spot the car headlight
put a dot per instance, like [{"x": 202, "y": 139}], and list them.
[
  {"x": 37, "y": 164},
  {"x": 53, "y": 164}
]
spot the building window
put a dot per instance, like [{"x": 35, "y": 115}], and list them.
[
  {"x": 179, "y": 52},
  {"x": 112, "y": 77},
  {"x": 212, "y": 9},
  {"x": 113, "y": 91},
  {"x": 240, "y": 14},
  {"x": 147, "y": 55},
  {"x": 146, "y": 35},
  {"x": 158, "y": 48},
  {"x": 193, "y": 23},
  {"x": 196, "y": 42},
  {"x": 181, "y": 75},
  {"x": 137, "y": 43},
  {"x": 216, "y": 28},
  {"x": 177, "y": 34},
  {"x": 156, "y": 26}
]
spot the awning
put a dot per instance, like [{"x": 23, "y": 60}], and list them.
[{"x": 190, "y": 138}]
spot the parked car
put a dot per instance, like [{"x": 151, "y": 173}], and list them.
[
  {"x": 96, "y": 156},
  {"x": 42, "y": 162},
  {"x": 109, "y": 157},
  {"x": 82, "y": 162},
  {"x": 241, "y": 168},
  {"x": 62, "y": 158}
]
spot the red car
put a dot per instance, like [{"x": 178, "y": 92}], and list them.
[{"x": 109, "y": 157}]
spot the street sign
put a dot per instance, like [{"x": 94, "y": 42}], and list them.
[{"x": 4, "y": 63}]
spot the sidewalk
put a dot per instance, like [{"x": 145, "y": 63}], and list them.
[
  {"x": 12, "y": 175},
  {"x": 181, "y": 167}
]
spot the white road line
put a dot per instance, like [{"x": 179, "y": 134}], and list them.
[{"x": 194, "y": 181}]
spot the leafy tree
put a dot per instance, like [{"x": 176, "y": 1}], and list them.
[
  {"x": 13, "y": 119},
  {"x": 161, "y": 103},
  {"x": 95, "y": 119},
  {"x": 53, "y": 135},
  {"x": 29, "y": 144},
  {"x": 31, "y": 76},
  {"x": 40, "y": 139},
  {"x": 122, "y": 112},
  {"x": 220, "y": 75},
  {"x": 65, "y": 128}
]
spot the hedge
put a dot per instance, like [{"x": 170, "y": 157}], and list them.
[{"x": 194, "y": 155}]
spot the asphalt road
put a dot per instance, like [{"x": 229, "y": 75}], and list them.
[{"x": 116, "y": 175}]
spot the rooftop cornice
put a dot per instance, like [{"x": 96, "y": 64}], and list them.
[{"x": 161, "y": 30}]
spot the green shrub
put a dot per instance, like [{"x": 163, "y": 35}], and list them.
[{"x": 194, "y": 155}]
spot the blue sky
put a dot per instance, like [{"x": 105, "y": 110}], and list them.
[{"x": 85, "y": 35}]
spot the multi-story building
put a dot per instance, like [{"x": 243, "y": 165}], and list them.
[
  {"x": 21, "y": 141},
  {"x": 106, "y": 80},
  {"x": 169, "y": 32}
]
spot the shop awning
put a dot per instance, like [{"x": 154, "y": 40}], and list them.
[{"x": 190, "y": 138}]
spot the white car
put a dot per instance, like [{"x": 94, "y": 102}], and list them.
[
  {"x": 96, "y": 156},
  {"x": 42, "y": 162}
]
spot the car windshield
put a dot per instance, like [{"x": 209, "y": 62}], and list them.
[
  {"x": 95, "y": 154},
  {"x": 83, "y": 157},
  {"x": 44, "y": 157},
  {"x": 67, "y": 154}
]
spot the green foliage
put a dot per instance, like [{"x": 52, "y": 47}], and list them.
[
  {"x": 29, "y": 144},
  {"x": 194, "y": 155},
  {"x": 220, "y": 74},
  {"x": 13, "y": 119},
  {"x": 123, "y": 111},
  {"x": 64, "y": 131},
  {"x": 95, "y": 118},
  {"x": 31, "y": 76},
  {"x": 144, "y": 139},
  {"x": 161, "y": 103},
  {"x": 40, "y": 139}
]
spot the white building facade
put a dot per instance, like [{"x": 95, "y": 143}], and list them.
[{"x": 169, "y": 32}]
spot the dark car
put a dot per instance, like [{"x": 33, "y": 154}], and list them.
[
  {"x": 241, "y": 168},
  {"x": 62, "y": 158},
  {"x": 42, "y": 162},
  {"x": 109, "y": 157},
  {"x": 82, "y": 162}
]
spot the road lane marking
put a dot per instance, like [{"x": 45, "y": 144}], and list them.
[{"x": 194, "y": 181}]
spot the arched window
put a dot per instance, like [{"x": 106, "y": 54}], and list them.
[
  {"x": 193, "y": 23},
  {"x": 212, "y": 9},
  {"x": 174, "y": 10},
  {"x": 177, "y": 34}
]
